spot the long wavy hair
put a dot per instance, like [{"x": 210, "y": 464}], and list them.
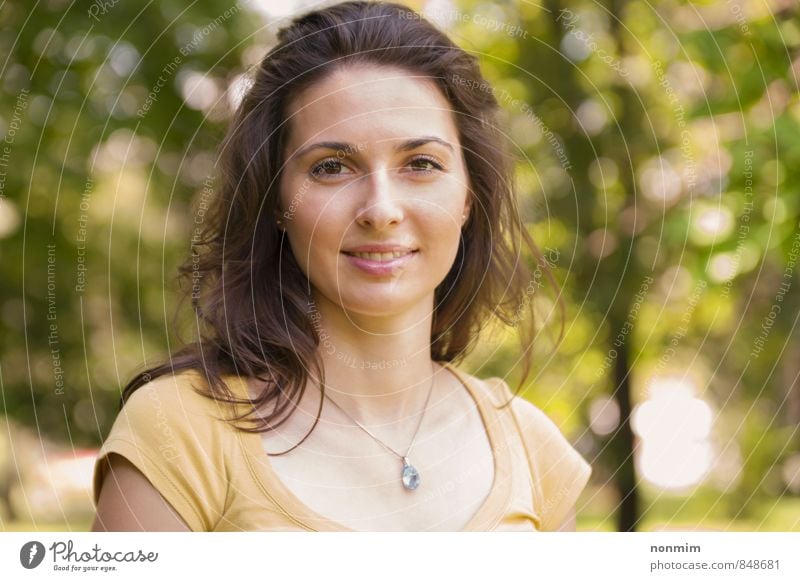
[{"x": 251, "y": 325}]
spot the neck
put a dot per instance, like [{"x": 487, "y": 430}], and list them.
[{"x": 378, "y": 369}]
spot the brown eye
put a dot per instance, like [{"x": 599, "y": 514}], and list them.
[
  {"x": 425, "y": 161},
  {"x": 327, "y": 167}
]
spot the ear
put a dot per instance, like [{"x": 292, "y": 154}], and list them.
[
  {"x": 279, "y": 219},
  {"x": 467, "y": 209}
]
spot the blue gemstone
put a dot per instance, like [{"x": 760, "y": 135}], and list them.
[{"x": 410, "y": 476}]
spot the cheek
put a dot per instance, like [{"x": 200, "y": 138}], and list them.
[
  {"x": 293, "y": 193},
  {"x": 314, "y": 236},
  {"x": 442, "y": 237},
  {"x": 442, "y": 214}
]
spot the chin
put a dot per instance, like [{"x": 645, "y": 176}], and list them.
[{"x": 380, "y": 304}]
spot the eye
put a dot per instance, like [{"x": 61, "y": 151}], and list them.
[
  {"x": 327, "y": 167},
  {"x": 425, "y": 160}
]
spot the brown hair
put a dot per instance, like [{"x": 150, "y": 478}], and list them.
[{"x": 250, "y": 296}]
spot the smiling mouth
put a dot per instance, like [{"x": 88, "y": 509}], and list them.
[{"x": 380, "y": 256}]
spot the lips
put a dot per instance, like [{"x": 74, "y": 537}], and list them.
[
  {"x": 384, "y": 252},
  {"x": 380, "y": 256},
  {"x": 384, "y": 263}
]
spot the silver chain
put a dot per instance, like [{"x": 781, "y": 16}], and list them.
[{"x": 422, "y": 415}]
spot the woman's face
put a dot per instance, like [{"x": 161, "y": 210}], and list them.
[{"x": 374, "y": 188}]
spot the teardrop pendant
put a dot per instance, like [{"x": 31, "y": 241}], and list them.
[{"x": 410, "y": 475}]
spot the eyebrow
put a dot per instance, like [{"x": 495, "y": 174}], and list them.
[{"x": 349, "y": 148}]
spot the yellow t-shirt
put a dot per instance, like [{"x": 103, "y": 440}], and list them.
[{"x": 218, "y": 478}]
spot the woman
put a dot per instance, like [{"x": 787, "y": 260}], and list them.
[{"x": 363, "y": 233}]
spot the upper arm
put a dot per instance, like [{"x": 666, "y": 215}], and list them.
[
  {"x": 129, "y": 502},
  {"x": 167, "y": 451}
]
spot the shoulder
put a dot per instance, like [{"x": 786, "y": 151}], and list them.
[
  {"x": 170, "y": 413},
  {"x": 536, "y": 427},
  {"x": 170, "y": 419},
  {"x": 527, "y": 414},
  {"x": 492, "y": 388},
  {"x": 559, "y": 472},
  {"x": 532, "y": 417},
  {"x": 531, "y": 420},
  {"x": 179, "y": 441},
  {"x": 546, "y": 445},
  {"x": 496, "y": 390},
  {"x": 180, "y": 394}
]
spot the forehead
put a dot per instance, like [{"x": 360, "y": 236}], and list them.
[{"x": 372, "y": 105}]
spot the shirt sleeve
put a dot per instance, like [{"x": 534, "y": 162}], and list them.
[
  {"x": 559, "y": 473},
  {"x": 172, "y": 436}
]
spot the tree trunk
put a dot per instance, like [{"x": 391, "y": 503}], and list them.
[{"x": 622, "y": 443}]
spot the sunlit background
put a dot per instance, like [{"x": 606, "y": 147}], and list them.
[{"x": 659, "y": 169}]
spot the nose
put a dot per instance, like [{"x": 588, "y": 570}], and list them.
[{"x": 380, "y": 206}]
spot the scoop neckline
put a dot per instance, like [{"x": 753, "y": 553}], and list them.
[{"x": 487, "y": 516}]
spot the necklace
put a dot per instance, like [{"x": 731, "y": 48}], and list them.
[{"x": 409, "y": 475}]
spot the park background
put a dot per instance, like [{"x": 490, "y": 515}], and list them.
[{"x": 659, "y": 172}]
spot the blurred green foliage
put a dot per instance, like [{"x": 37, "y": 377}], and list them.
[{"x": 680, "y": 125}]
